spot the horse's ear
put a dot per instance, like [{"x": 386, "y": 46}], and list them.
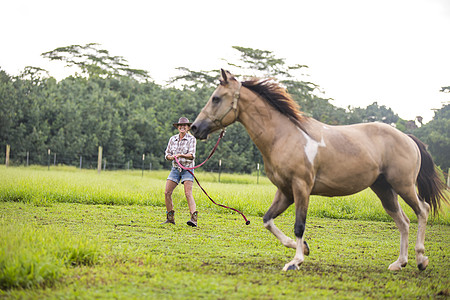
[{"x": 224, "y": 77}]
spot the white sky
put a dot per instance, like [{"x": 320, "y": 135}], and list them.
[{"x": 395, "y": 52}]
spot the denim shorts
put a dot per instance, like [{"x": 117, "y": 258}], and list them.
[{"x": 175, "y": 175}]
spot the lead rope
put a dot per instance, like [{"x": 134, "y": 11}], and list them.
[{"x": 247, "y": 222}]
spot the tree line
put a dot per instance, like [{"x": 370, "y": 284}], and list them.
[{"x": 107, "y": 103}]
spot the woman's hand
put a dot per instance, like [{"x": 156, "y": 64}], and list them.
[
  {"x": 172, "y": 157},
  {"x": 187, "y": 156}
]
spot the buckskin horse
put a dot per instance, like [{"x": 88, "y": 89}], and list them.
[{"x": 304, "y": 157}]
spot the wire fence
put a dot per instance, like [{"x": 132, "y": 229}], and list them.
[
  {"x": 80, "y": 161},
  {"x": 108, "y": 163}
]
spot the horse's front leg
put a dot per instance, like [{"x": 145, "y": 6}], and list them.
[
  {"x": 301, "y": 208},
  {"x": 279, "y": 205}
]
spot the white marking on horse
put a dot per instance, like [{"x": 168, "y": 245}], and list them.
[{"x": 312, "y": 146}]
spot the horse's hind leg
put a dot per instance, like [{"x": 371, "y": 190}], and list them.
[
  {"x": 279, "y": 205},
  {"x": 389, "y": 199},
  {"x": 422, "y": 210}
]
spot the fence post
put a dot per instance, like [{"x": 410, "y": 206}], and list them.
[
  {"x": 257, "y": 178},
  {"x": 48, "y": 162},
  {"x": 7, "y": 155},
  {"x": 143, "y": 158},
  {"x": 220, "y": 168},
  {"x": 99, "y": 162},
  {"x": 28, "y": 158}
]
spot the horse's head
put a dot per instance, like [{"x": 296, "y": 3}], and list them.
[{"x": 221, "y": 109}]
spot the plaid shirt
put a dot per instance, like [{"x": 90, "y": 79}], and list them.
[{"x": 184, "y": 146}]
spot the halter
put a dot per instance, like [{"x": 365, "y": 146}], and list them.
[{"x": 234, "y": 106}]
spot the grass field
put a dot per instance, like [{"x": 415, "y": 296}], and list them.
[{"x": 71, "y": 234}]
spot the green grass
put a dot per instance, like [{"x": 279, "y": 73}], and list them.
[
  {"x": 224, "y": 259},
  {"x": 74, "y": 234},
  {"x": 35, "y": 256}
]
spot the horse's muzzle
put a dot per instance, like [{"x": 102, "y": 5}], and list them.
[{"x": 200, "y": 129}]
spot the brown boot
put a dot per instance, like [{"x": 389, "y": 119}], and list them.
[
  {"x": 193, "y": 221},
  {"x": 170, "y": 217}
]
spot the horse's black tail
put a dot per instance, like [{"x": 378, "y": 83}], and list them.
[{"x": 430, "y": 186}]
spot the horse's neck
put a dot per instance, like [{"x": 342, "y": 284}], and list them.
[{"x": 263, "y": 123}]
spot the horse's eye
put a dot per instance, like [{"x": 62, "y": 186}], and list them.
[{"x": 215, "y": 99}]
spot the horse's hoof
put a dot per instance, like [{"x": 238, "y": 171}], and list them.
[
  {"x": 423, "y": 265},
  {"x": 395, "y": 267},
  {"x": 305, "y": 248},
  {"x": 292, "y": 267}
]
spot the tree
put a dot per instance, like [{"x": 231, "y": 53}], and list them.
[
  {"x": 436, "y": 135},
  {"x": 195, "y": 80},
  {"x": 29, "y": 129},
  {"x": 373, "y": 113},
  {"x": 94, "y": 61},
  {"x": 260, "y": 60}
]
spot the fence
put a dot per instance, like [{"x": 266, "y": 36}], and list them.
[
  {"x": 27, "y": 158},
  {"x": 98, "y": 161}
]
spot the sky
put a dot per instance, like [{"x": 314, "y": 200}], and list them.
[{"x": 394, "y": 52}]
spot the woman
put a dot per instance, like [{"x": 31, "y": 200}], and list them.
[{"x": 182, "y": 146}]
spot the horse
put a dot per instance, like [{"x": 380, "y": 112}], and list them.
[{"x": 304, "y": 157}]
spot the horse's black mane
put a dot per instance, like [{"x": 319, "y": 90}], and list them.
[{"x": 276, "y": 96}]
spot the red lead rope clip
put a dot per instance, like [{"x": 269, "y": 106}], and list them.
[{"x": 247, "y": 222}]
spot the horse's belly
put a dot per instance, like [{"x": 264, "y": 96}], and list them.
[
  {"x": 340, "y": 186},
  {"x": 327, "y": 192}
]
